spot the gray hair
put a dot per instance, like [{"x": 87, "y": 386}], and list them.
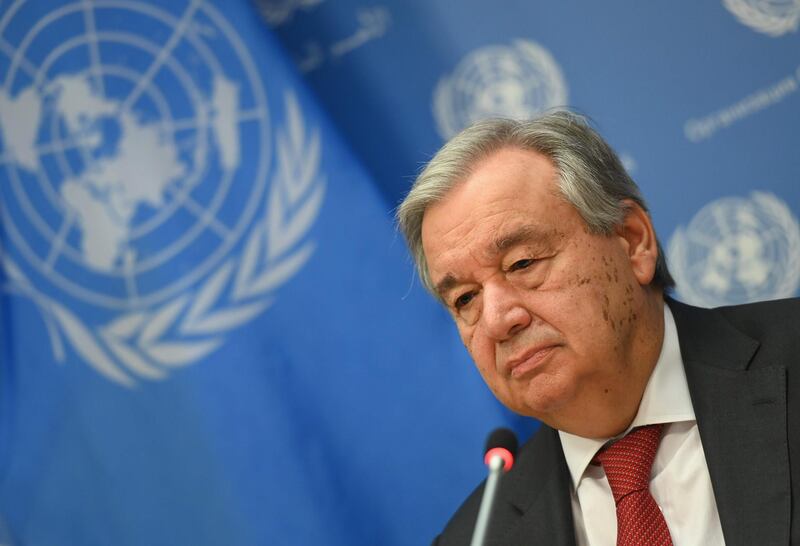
[{"x": 591, "y": 176}]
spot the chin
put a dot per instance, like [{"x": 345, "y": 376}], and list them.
[{"x": 539, "y": 404}]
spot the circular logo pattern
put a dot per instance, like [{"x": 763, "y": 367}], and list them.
[
  {"x": 517, "y": 81},
  {"x": 120, "y": 168},
  {"x": 135, "y": 151},
  {"x": 737, "y": 250},
  {"x": 772, "y": 17}
]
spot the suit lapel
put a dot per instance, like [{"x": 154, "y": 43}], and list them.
[
  {"x": 741, "y": 415},
  {"x": 539, "y": 506}
]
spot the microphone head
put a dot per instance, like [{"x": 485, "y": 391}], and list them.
[
  {"x": 502, "y": 443},
  {"x": 502, "y": 437}
]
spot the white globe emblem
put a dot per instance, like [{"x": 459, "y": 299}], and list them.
[
  {"x": 737, "y": 250},
  {"x": 771, "y": 17},
  {"x": 517, "y": 81},
  {"x": 123, "y": 129}
]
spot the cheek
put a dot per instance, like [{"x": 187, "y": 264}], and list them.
[
  {"x": 480, "y": 348},
  {"x": 605, "y": 309},
  {"x": 466, "y": 333},
  {"x": 581, "y": 307}
]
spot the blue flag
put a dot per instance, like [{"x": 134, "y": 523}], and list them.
[{"x": 210, "y": 331}]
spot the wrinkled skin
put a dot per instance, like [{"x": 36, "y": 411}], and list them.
[{"x": 563, "y": 324}]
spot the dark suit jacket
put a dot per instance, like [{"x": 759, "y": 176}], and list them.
[{"x": 743, "y": 369}]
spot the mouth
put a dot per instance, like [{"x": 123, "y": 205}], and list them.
[{"x": 529, "y": 360}]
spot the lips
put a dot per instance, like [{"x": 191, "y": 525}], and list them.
[{"x": 529, "y": 360}]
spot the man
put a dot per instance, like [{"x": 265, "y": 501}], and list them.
[{"x": 541, "y": 247}]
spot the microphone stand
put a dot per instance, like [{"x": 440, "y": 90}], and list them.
[{"x": 496, "y": 464}]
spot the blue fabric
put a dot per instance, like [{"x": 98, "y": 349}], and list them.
[{"x": 211, "y": 332}]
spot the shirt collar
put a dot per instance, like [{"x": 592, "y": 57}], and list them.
[{"x": 666, "y": 400}]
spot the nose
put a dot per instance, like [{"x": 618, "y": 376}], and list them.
[{"x": 504, "y": 313}]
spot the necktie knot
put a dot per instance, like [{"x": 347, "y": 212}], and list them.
[{"x": 628, "y": 461}]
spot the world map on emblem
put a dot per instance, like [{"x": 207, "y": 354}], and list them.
[
  {"x": 121, "y": 147},
  {"x": 124, "y": 166},
  {"x": 140, "y": 209}
]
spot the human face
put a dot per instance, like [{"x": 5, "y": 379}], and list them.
[{"x": 559, "y": 320}]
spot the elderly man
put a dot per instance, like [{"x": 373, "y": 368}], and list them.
[{"x": 661, "y": 423}]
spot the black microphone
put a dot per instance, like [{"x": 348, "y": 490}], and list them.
[{"x": 501, "y": 446}]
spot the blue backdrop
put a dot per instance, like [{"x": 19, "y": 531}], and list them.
[
  {"x": 210, "y": 331},
  {"x": 701, "y": 100}
]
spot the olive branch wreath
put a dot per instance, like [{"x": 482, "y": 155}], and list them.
[{"x": 148, "y": 343}]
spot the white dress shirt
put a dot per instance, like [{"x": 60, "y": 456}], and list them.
[{"x": 679, "y": 481}]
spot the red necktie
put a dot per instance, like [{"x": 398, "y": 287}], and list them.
[{"x": 627, "y": 463}]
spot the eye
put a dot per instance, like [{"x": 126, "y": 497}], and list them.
[
  {"x": 463, "y": 299},
  {"x": 521, "y": 264}
]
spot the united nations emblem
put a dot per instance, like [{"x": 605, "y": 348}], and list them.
[
  {"x": 517, "y": 81},
  {"x": 145, "y": 212},
  {"x": 737, "y": 250},
  {"x": 772, "y": 17}
]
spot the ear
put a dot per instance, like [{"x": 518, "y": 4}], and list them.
[{"x": 639, "y": 239}]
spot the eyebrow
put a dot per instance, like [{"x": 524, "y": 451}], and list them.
[
  {"x": 500, "y": 245},
  {"x": 443, "y": 286},
  {"x": 520, "y": 235}
]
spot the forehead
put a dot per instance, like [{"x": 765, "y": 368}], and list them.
[
  {"x": 510, "y": 197},
  {"x": 505, "y": 191}
]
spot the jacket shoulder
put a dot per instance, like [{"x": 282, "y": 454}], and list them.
[
  {"x": 538, "y": 467},
  {"x": 775, "y": 324},
  {"x": 764, "y": 316}
]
